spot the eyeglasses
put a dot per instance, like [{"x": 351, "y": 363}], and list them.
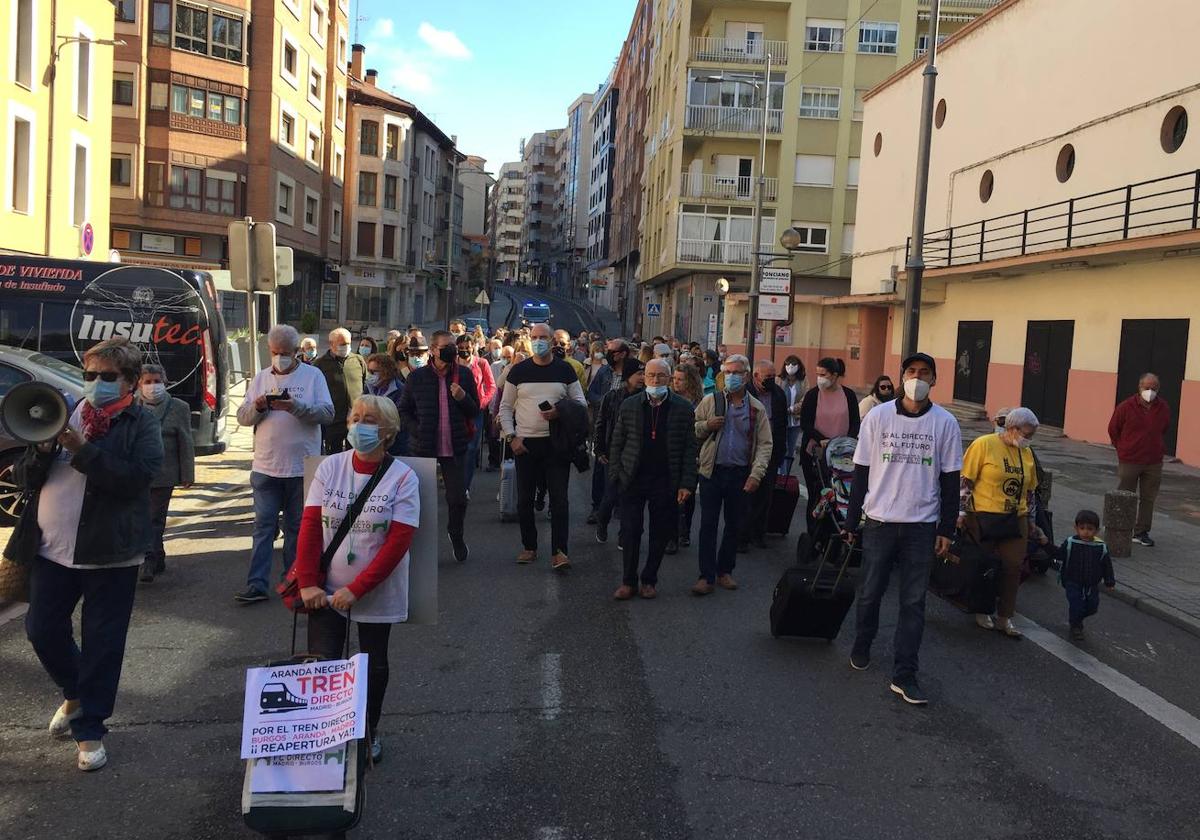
[{"x": 93, "y": 375}]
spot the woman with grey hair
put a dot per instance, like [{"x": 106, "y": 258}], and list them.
[
  {"x": 179, "y": 460},
  {"x": 368, "y": 575},
  {"x": 92, "y": 510},
  {"x": 997, "y": 507}
]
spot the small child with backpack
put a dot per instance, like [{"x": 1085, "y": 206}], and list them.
[{"x": 1083, "y": 562}]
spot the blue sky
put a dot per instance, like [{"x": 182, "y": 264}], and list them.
[{"x": 492, "y": 71}]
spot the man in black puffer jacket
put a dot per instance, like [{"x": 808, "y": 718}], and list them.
[
  {"x": 606, "y": 421},
  {"x": 653, "y": 459},
  {"x": 438, "y": 405}
]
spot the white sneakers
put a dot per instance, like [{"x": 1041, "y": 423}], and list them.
[
  {"x": 985, "y": 621},
  {"x": 60, "y": 724},
  {"x": 60, "y": 727}
]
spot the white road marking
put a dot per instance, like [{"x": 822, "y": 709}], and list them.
[
  {"x": 551, "y": 685},
  {"x": 1142, "y": 698},
  {"x": 1150, "y": 648}
]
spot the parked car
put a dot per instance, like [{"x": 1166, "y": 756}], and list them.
[
  {"x": 473, "y": 321},
  {"x": 17, "y": 366}
]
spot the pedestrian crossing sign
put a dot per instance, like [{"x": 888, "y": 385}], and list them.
[{"x": 653, "y": 310}]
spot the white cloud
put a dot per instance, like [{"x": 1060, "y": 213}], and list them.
[
  {"x": 443, "y": 42},
  {"x": 384, "y": 28},
  {"x": 410, "y": 77}
]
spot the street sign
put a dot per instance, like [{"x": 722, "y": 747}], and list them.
[
  {"x": 87, "y": 239},
  {"x": 285, "y": 273},
  {"x": 653, "y": 310},
  {"x": 712, "y": 329},
  {"x": 774, "y": 307},
  {"x": 775, "y": 281},
  {"x": 482, "y": 298},
  {"x": 247, "y": 269}
]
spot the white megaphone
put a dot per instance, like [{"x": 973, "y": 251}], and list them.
[{"x": 34, "y": 412}]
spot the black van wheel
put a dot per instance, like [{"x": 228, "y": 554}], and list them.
[{"x": 10, "y": 494}]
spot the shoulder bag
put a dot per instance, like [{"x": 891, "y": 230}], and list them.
[{"x": 289, "y": 589}]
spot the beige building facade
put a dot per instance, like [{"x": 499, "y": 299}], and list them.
[
  {"x": 1062, "y": 245},
  {"x": 55, "y": 77},
  {"x": 708, "y": 87}
]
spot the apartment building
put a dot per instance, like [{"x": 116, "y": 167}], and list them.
[
  {"x": 710, "y": 97},
  {"x": 631, "y": 79},
  {"x": 507, "y": 220},
  {"x": 296, "y": 153},
  {"x": 54, "y": 94},
  {"x": 438, "y": 221},
  {"x": 1062, "y": 243},
  {"x": 541, "y": 255},
  {"x": 477, "y": 184},
  {"x": 600, "y": 188},
  {"x": 379, "y": 285},
  {"x": 573, "y": 149}
]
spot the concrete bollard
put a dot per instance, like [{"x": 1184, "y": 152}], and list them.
[{"x": 1120, "y": 513}]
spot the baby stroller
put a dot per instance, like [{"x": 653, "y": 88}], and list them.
[{"x": 813, "y": 597}]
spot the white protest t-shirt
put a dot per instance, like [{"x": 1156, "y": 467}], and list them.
[
  {"x": 397, "y": 498},
  {"x": 282, "y": 440},
  {"x": 907, "y": 456}
]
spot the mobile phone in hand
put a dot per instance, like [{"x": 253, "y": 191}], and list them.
[{"x": 544, "y": 405}]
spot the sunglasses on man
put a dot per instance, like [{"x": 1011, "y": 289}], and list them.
[{"x": 93, "y": 375}]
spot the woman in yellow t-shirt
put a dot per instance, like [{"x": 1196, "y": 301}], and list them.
[{"x": 999, "y": 477}]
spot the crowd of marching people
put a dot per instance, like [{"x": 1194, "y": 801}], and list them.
[{"x": 667, "y": 428}]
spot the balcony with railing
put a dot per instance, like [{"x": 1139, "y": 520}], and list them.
[
  {"x": 726, "y": 187},
  {"x": 739, "y": 50},
  {"x": 714, "y": 252},
  {"x": 1145, "y": 209},
  {"x": 732, "y": 119}
]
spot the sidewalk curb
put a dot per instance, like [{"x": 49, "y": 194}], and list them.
[{"x": 1156, "y": 608}]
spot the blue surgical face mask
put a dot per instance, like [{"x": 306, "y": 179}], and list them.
[
  {"x": 100, "y": 393},
  {"x": 541, "y": 346},
  {"x": 372, "y": 379},
  {"x": 364, "y": 350},
  {"x": 734, "y": 382},
  {"x": 416, "y": 361},
  {"x": 364, "y": 437},
  {"x": 656, "y": 392}
]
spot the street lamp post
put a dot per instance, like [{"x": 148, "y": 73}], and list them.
[
  {"x": 756, "y": 234},
  {"x": 915, "y": 267}
]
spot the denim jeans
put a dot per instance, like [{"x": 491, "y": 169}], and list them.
[
  {"x": 90, "y": 671},
  {"x": 599, "y": 482},
  {"x": 723, "y": 491},
  {"x": 273, "y": 497},
  {"x": 1082, "y": 601},
  {"x": 471, "y": 456},
  {"x": 538, "y": 466},
  {"x": 454, "y": 480},
  {"x": 909, "y": 546}
]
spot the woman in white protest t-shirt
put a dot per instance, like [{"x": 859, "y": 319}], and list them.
[{"x": 368, "y": 574}]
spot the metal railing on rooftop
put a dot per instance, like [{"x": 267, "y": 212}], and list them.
[
  {"x": 710, "y": 251},
  {"x": 739, "y": 50},
  {"x": 1147, "y": 208}
]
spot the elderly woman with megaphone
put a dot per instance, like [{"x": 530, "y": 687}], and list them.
[{"x": 91, "y": 500}]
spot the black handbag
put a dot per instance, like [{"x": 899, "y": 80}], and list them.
[{"x": 26, "y": 538}]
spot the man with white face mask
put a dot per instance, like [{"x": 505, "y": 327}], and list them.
[
  {"x": 1136, "y": 429},
  {"x": 286, "y": 403},
  {"x": 345, "y": 373},
  {"x": 906, "y": 482}
]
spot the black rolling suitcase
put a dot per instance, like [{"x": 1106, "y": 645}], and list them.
[
  {"x": 784, "y": 496},
  {"x": 967, "y": 577},
  {"x": 282, "y": 815},
  {"x": 813, "y": 597}
]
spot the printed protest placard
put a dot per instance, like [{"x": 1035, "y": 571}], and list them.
[
  {"x": 295, "y": 709},
  {"x": 306, "y": 773}
]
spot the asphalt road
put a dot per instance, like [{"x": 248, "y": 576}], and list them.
[{"x": 540, "y": 708}]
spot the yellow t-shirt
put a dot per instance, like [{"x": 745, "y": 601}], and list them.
[
  {"x": 580, "y": 372},
  {"x": 1002, "y": 475}
]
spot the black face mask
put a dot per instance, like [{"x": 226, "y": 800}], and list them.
[
  {"x": 767, "y": 382},
  {"x": 447, "y": 355},
  {"x": 400, "y": 357},
  {"x": 560, "y": 352},
  {"x": 611, "y": 356}
]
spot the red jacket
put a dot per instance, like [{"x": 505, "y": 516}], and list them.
[
  {"x": 1136, "y": 430},
  {"x": 485, "y": 383}
]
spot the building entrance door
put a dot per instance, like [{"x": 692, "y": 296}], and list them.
[
  {"x": 971, "y": 361},
  {"x": 1158, "y": 346},
  {"x": 1047, "y": 366}
]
